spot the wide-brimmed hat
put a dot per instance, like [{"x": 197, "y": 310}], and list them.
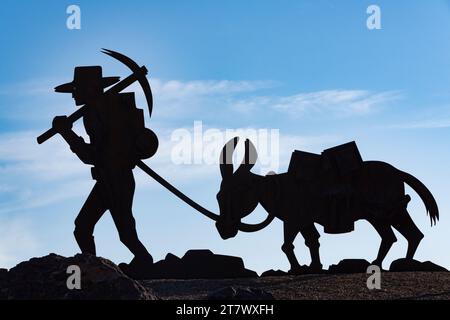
[{"x": 85, "y": 77}]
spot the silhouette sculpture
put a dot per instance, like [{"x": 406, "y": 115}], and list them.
[
  {"x": 118, "y": 140},
  {"x": 333, "y": 189}
]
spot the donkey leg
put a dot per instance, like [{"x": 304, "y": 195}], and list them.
[
  {"x": 311, "y": 236},
  {"x": 406, "y": 226},
  {"x": 387, "y": 239},
  {"x": 288, "y": 247}
]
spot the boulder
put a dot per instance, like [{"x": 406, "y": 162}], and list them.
[
  {"x": 3, "y": 275},
  {"x": 274, "y": 273},
  {"x": 3, "y": 282},
  {"x": 199, "y": 264},
  {"x": 407, "y": 265},
  {"x": 306, "y": 270},
  {"x": 349, "y": 266},
  {"x": 47, "y": 277},
  {"x": 239, "y": 293}
]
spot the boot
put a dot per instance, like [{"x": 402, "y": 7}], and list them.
[
  {"x": 85, "y": 242},
  {"x": 141, "y": 267}
]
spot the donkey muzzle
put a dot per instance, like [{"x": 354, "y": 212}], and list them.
[{"x": 226, "y": 230}]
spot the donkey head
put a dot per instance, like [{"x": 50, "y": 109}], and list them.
[{"x": 238, "y": 194}]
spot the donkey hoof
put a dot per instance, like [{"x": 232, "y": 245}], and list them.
[
  {"x": 298, "y": 270},
  {"x": 315, "y": 268}
]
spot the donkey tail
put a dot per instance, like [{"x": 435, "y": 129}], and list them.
[{"x": 425, "y": 195}]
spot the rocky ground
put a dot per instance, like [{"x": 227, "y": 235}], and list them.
[
  {"x": 178, "y": 278},
  {"x": 395, "y": 285}
]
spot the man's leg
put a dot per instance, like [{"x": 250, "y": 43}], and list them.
[
  {"x": 128, "y": 236},
  {"x": 90, "y": 213},
  {"x": 121, "y": 211}
]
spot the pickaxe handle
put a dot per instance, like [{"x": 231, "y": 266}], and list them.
[{"x": 80, "y": 112}]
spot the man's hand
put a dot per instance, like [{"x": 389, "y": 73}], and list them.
[{"x": 61, "y": 124}]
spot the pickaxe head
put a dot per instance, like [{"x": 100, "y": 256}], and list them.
[{"x": 134, "y": 67}]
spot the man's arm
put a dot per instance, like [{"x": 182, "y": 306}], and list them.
[{"x": 83, "y": 150}]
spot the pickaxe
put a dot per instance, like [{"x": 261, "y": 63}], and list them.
[{"x": 139, "y": 74}]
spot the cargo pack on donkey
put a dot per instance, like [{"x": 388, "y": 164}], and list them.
[{"x": 329, "y": 178}]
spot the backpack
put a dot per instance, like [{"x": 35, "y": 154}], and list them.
[{"x": 128, "y": 138}]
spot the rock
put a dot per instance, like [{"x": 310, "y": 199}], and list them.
[
  {"x": 171, "y": 258},
  {"x": 3, "y": 283},
  {"x": 305, "y": 269},
  {"x": 405, "y": 265},
  {"x": 238, "y": 293},
  {"x": 349, "y": 266},
  {"x": 274, "y": 273},
  {"x": 200, "y": 264},
  {"x": 46, "y": 278},
  {"x": 3, "y": 275}
]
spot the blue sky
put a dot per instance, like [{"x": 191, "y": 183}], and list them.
[{"x": 308, "y": 68}]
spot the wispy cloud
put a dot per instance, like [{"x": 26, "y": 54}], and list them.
[
  {"x": 175, "y": 89},
  {"x": 335, "y": 102},
  {"x": 36, "y": 175},
  {"x": 22, "y": 156},
  {"x": 30, "y": 87},
  {"x": 18, "y": 241},
  {"x": 426, "y": 124},
  {"x": 174, "y": 98},
  {"x": 177, "y": 99}
]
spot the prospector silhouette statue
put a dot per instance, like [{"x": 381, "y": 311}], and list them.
[
  {"x": 118, "y": 141},
  {"x": 333, "y": 189}
]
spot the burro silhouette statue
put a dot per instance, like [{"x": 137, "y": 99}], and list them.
[
  {"x": 334, "y": 189},
  {"x": 118, "y": 140}
]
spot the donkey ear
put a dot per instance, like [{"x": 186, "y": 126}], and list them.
[
  {"x": 250, "y": 157},
  {"x": 226, "y": 157}
]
